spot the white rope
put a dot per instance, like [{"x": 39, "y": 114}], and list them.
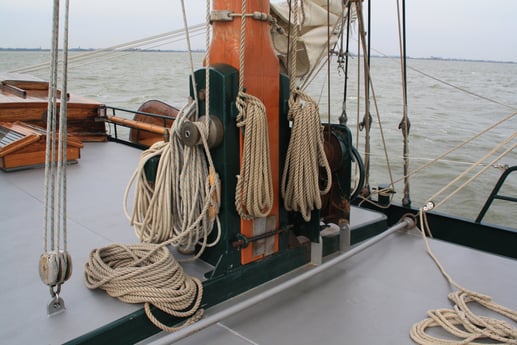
[
  {"x": 146, "y": 273},
  {"x": 305, "y": 154},
  {"x": 62, "y": 147},
  {"x": 445, "y": 154},
  {"x": 254, "y": 189},
  {"x": 176, "y": 208},
  {"x": 460, "y": 321},
  {"x": 50, "y": 154},
  {"x": 179, "y": 209},
  {"x": 115, "y": 51},
  {"x": 478, "y": 163},
  {"x": 55, "y": 264},
  {"x": 191, "y": 60},
  {"x": 207, "y": 64}
]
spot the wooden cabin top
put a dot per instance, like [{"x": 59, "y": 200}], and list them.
[
  {"x": 25, "y": 98},
  {"x": 33, "y": 91}
]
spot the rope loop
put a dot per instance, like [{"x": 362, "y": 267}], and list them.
[
  {"x": 254, "y": 189},
  {"x": 180, "y": 207},
  {"x": 146, "y": 273},
  {"x": 305, "y": 155},
  {"x": 460, "y": 321}
]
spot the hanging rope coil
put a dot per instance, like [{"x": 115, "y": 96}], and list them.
[
  {"x": 181, "y": 206},
  {"x": 305, "y": 154},
  {"x": 146, "y": 273},
  {"x": 461, "y": 321},
  {"x": 180, "y": 209},
  {"x": 254, "y": 189}
]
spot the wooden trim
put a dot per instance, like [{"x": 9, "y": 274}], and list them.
[
  {"x": 13, "y": 89},
  {"x": 137, "y": 124}
]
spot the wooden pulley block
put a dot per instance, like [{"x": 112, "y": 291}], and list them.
[{"x": 55, "y": 267}]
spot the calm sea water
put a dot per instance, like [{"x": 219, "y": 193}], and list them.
[{"x": 441, "y": 116}]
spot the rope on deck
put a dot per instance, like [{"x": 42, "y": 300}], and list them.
[{"x": 461, "y": 321}]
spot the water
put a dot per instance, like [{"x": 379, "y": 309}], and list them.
[{"x": 441, "y": 116}]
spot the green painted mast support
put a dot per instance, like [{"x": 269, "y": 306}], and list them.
[{"x": 229, "y": 277}]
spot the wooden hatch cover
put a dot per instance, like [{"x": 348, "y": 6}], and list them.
[{"x": 23, "y": 146}]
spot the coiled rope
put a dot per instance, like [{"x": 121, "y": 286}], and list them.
[
  {"x": 180, "y": 209},
  {"x": 181, "y": 206},
  {"x": 254, "y": 189},
  {"x": 461, "y": 321},
  {"x": 305, "y": 154},
  {"x": 147, "y": 272}
]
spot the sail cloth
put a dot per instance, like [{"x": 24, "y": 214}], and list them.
[{"x": 312, "y": 41}]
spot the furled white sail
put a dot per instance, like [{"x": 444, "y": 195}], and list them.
[{"x": 312, "y": 45}]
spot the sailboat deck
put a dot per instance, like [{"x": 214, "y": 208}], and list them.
[{"x": 373, "y": 297}]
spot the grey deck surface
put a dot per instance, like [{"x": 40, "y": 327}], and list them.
[
  {"x": 95, "y": 190},
  {"x": 373, "y": 298}
]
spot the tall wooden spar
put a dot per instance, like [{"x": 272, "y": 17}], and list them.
[{"x": 262, "y": 80}]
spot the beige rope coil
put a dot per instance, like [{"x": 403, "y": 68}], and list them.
[
  {"x": 305, "y": 154},
  {"x": 146, "y": 273},
  {"x": 182, "y": 205},
  {"x": 461, "y": 321},
  {"x": 254, "y": 189},
  {"x": 179, "y": 209}
]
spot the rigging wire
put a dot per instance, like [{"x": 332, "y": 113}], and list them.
[
  {"x": 404, "y": 123},
  {"x": 473, "y": 166},
  {"x": 187, "y": 35},
  {"x": 343, "y": 119},
  {"x": 454, "y": 86},
  {"x": 462, "y": 144},
  {"x": 168, "y": 37},
  {"x": 366, "y": 119},
  {"x": 366, "y": 122}
]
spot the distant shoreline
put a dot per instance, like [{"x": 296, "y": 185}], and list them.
[{"x": 437, "y": 58}]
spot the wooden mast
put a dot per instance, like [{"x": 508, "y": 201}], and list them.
[{"x": 262, "y": 80}]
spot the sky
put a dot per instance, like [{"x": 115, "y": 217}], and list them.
[{"x": 463, "y": 29}]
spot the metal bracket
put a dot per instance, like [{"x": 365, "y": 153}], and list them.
[
  {"x": 55, "y": 306},
  {"x": 221, "y": 16},
  {"x": 344, "y": 239}
]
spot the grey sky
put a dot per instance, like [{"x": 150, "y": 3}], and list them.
[{"x": 471, "y": 29}]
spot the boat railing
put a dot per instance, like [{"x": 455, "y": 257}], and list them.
[
  {"x": 495, "y": 193},
  {"x": 111, "y": 115}
]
